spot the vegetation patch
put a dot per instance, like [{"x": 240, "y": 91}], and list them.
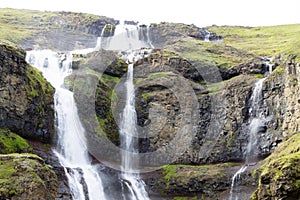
[
  {"x": 267, "y": 40},
  {"x": 12, "y": 143},
  {"x": 21, "y": 173},
  {"x": 280, "y": 172},
  {"x": 195, "y": 179},
  {"x": 208, "y": 54},
  {"x": 19, "y": 25},
  {"x": 40, "y": 91}
]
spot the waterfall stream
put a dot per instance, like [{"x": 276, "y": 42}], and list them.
[
  {"x": 71, "y": 148},
  {"x": 130, "y": 181},
  {"x": 257, "y": 120},
  {"x": 130, "y": 37}
]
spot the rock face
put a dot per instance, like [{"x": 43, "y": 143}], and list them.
[
  {"x": 280, "y": 173},
  {"x": 223, "y": 108},
  {"x": 218, "y": 134},
  {"x": 26, "y": 98},
  {"x": 196, "y": 181},
  {"x": 165, "y": 33},
  {"x": 25, "y": 176}
]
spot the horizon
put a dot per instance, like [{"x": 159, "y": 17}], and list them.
[{"x": 220, "y": 13}]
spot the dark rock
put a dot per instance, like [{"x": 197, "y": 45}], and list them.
[{"x": 26, "y": 98}]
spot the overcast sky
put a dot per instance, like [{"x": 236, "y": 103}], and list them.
[{"x": 199, "y": 12}]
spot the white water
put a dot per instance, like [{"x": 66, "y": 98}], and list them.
[
  {"x": 71, "y": 148},
  {"x": 131, "y": 181},
  {"x": 257, "y": 120},
  {"x": 127, "y": 37},
  {"x": 207, "y": 35},
  {"x": 236, "y": 177}
]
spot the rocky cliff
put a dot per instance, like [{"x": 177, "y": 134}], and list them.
[
  {"x": 219, "y": 132},
  {"x": 26, "y": 98},
  {"x": 26, "y": 108}
]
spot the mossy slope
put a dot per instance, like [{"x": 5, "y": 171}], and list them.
[
  {"x": 280, "y": 172},
  {"x": 12, "y": 143},
  {"x": 25, "y": 176}
]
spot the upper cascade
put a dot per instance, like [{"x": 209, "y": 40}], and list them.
[{"x": 127, "y": 36}]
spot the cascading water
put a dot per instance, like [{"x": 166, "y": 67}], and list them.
[
  {"x": 207, "y": 36},
  {"x": 257, "y": 120},
  {"x": 71, "y": 149},
  {"x": 84, "y": 180},
  {"x": 130, "y": 181},
  {"x": 128, "y": 37}
]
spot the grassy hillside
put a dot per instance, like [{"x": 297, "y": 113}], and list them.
[
  {"x": 269, "y": 40},
  {"x": 18, "y": 25}
]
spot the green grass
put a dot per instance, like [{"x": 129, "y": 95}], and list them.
[
  {"x": 264, "y": 41},
  {"x": 18, "y": 25},
  {"x": 208, "y": 54}
]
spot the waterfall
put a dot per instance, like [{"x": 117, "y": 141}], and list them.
[
  {"x": 71, "y": 148},
  {"x": 130, "y": 181},
  {"x": 257, "y": 120},
  {"x": 207, "y": 36},
  {"x": 129, "y": 37}
]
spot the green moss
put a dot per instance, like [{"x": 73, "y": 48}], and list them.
[
  {"x": 158, "y": 75},
  {"x": 182, "y": 174},
  {"x": 39, "y": 90},
  {"x": 21, "y": 172},
  {"x": 110, "y": 29},
  {"x": 104, "y": 98},
  {"x": 258, "y": 76},
  {"x": 12, "y": 143},
  {"x": 38, "y": 85},
  {"x": 282, "y": 167},
  {"x": 215, "y": 87},
  {"x": 146, "y": 96},
  {"x": 110, "y": 80},
  {"x": 185, "y": 198},
  {"x": 279, "y": 70}
]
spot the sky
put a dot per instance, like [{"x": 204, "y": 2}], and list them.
[{"x": 198, "y": 12}]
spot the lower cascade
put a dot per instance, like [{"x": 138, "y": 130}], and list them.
[
  {"x": 257, "y": 120},
  {"x": 71, "y": 148},
  {"x": 132, "y": 185}
]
